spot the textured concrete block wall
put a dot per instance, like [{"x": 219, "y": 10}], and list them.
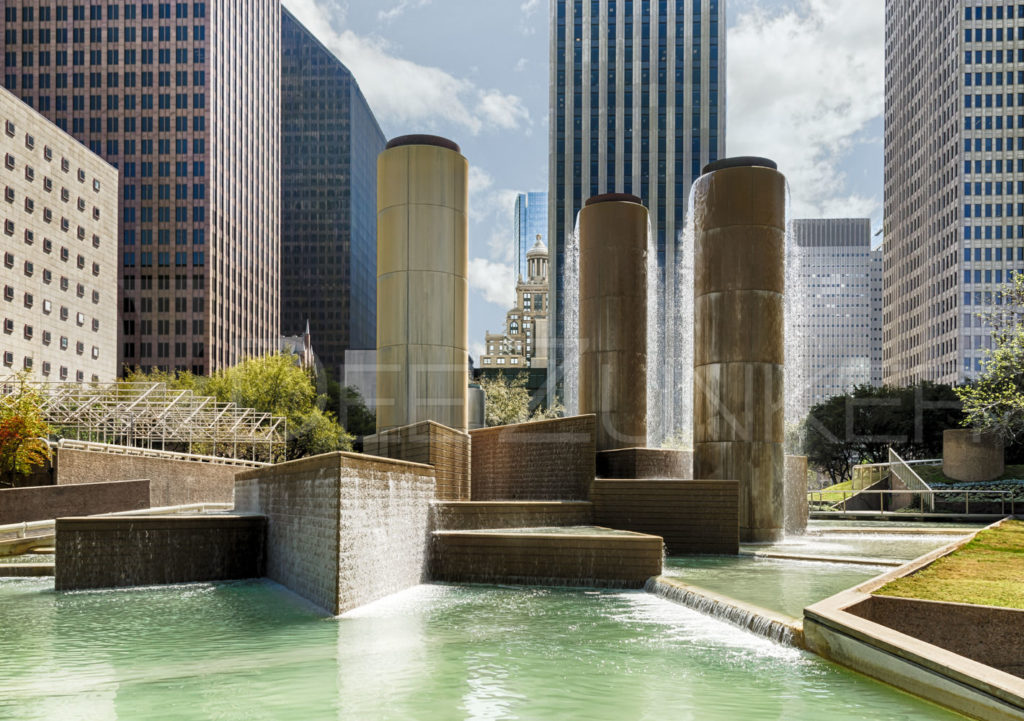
[
  {"x": 343, "y": 529},
  {"x": 431, "y": 443},
  {"x": 45, "y": 502},
  {"x": 970, "y": 456},
  {"x": 992, "y": 636},
  {"x": 117, "y": 552},
  {"x": 172, "y": 482},
  {"x": 449, "y": 516},
  {"x": 624, "y": 560},
  {"x": 692, "y": 516},
  {"x": 544, "y": 461},
  {"x": 645, "y": 463}
]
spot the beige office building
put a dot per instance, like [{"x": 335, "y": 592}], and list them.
[
  {"x": 59, "y": 274},
  {"x": 523, "y": 342}
]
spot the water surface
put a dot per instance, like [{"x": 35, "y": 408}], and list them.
[{"x": 251, "y": 650}]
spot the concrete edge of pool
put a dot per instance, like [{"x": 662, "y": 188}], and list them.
[{"x": 967, "y": 686}]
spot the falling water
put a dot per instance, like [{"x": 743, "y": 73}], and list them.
[
  {"x": 760, "y": 623},
  {"x": 797, "y": 374},
  {"x": 571, "y": 380},
  {"x": 656, "y": 361}
]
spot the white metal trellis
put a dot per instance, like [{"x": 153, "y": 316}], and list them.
[{"x": 151, "y": 415}]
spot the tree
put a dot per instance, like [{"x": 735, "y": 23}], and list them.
[
  {"x": 23, "y": 432},
  {"x": 359, "y": 419},
  {"x": 861, "y": 426},
  {"x": 507, "y": 401},
  {"x": 994, "y": 401},
  {"x": 274, "y": 384}
]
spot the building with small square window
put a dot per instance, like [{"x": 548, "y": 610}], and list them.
[
  {"x": 954, "y": 181},
  {"x": 523, "y": 343},
  {"x": 184, "y": 99},
  {"x": 59, "y": 272}
]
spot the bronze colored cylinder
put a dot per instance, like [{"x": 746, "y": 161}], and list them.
[
  {"x": 613, "y": 319},
  {"x": 739, "y": 338},
  {"x": 422, "y": 287}
]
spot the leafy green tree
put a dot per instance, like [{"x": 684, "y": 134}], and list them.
[
  {"x": 507, "y": 401},
  {"x": 861, "y": 426},
  {"x": 23, "y": 431},
  {"x": 359, "y": 419},
  {"x": 274, "y": 384}
]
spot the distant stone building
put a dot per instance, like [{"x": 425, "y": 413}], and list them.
[
  {"x": 59, "y": 276},
  {"x": 523, "y": 343},
  {"x": 300, "y": 346},
  {"x": 841, "y": 322}
]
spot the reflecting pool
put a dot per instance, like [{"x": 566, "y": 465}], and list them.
[{"x": 251, "y": 650}]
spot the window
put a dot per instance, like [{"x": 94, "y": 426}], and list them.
[{"x": 8, "y": 325}]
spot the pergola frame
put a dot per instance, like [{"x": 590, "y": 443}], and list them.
[{"x": 151, "y": 415}]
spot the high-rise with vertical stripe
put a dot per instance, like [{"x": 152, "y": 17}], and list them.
[
  {"x": 637, "y": 106},
  {"x": 954, "y": 181}
]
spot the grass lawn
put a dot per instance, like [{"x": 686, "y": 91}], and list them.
[
  {"x": 987, "y": 571},
  {"x": 933, "y": 474}
]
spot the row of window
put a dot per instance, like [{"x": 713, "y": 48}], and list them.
[
  {"x": 988, "y": 35},
  {"x": 28, "y": 362},
  {"x": 990, "y": 57},
  {"x": 164, "y": 282},
  {"x": 163, "y": 326},
  {"x": 991, "y": 254},
  {"x": 994, "y": 101},
  {"x": 163, "y": 259},
  {"x": 64, "y": 314},
  {"x": 988, "y": 276},
  {"x": 993, "y": 12},
  {"x": 113, "y": 11},
  {"x": 65, "y": 255},
  {"x": 163, "y": 350},
  {"x": 30, "y": 143},
  {"x": 28, "y": 332},
  {"x": 113, "y": 35},
  {"x": 993, "y": 232}
]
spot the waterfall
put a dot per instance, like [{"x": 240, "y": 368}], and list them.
[
  {"x": 571, "y": 352},
  {"x": 758, "y": 621},
  {"x": 797, "y": 379}
]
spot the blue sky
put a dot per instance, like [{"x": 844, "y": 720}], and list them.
[{"x": 805, "y": 87}]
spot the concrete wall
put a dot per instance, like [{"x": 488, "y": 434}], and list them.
[
  {"x": 971, "y": 456},
  {"x": 692, "y": 516},
  {"x": 620, "y": 560},
  {"x": 154, "y": 550},
  {"x": 43, "y": 503},
  {"x": 342, "y": 529},
  {"x": 172, "y": 482},
  {"x": 797, "y": 511},
  {"x": 514, "y": 514},
  {"x": 645, "y": 463},
  {"x": 543, "y": 461},
  {"x": 445, "y": 449},
  {"x": 992, "y": 636}
]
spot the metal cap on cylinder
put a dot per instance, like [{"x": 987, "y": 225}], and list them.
[{"x": 436, "y": 140}]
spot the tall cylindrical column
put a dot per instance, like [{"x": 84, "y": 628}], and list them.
[
  {"x": 422, "y": 288},
  {"x": 613, "y": 319},
  {"x": 738, "y": 327}
]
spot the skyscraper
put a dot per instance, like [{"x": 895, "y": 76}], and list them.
[
  {"x": 530, "y": 225},
  {"x": 839, "y": 279},
  {"x": 637, "y": 106},
  {"x": 954, "y": 196},
  {"x": 330, "y": 144},
  {"x": 184, "y": 99}
]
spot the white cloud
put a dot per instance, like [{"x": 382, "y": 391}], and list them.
[
  {"x": 803, "y": 88},
  {"x": 399, "y": 9},
  {"x": 476, "y": 350},
  {"x": 406, "y": 93},
  {"x": 529, "y": 7},
  {"x": 495, "y": 281},
  {"x": 521, "y": 64}
]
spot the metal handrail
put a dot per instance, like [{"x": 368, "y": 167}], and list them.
[
  {"x": 899, "y": 468},
  {"x": 119, "y": 450},
  {"x": 1006, "y": 498}
]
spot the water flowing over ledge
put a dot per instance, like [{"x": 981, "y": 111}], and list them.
[{"x": 760, "y": 621}]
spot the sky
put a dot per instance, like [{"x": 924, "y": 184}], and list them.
[{"x": 805, "y": 87}]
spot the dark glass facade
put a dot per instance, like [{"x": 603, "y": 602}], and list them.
[
  {"x": 330, "y": 145},
  {"x": 636, "y": 107}
]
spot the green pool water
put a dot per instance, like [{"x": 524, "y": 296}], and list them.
[
  {"x": 778, "y": 585},
  {"x": 252, "y": 651}
]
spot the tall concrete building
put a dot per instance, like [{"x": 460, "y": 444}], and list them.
[
  {"x": 530, "y": 225},
  {"x": 840, "y": 319},
  {"x": 183, "y": 98},
  {"x": 954, "y": 196},
  {"x": 59, "y": 276},
  {"x": 330, "y": 143},
  {"x": 637, "y": 106}
]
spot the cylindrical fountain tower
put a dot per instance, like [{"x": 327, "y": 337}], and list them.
[
  {"x": 613, "y": 319},
  {"x": 422, "y": 289},
  {"x": 738, "y": 328}
]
